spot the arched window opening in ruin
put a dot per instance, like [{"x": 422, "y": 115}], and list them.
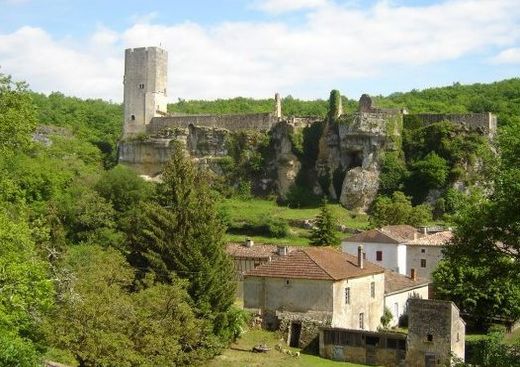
[
  {"x": 429, "y": 337},
  {"x": 132, "y": 117}
]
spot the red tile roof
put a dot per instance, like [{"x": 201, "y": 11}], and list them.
[
  {"x": 389, "y": 234},
  {"x": 395, "y": 282},
  {"x": 257, "y": 251},
  {"x": 435, "y": 239},
  {"x": 322, "y": 263}
]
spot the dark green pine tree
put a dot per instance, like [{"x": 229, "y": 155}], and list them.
[
  {"x": 181, "y": 234},
  {"x": 324, "y": 231}
]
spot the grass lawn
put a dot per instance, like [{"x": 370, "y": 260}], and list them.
[
  {"x": 513, "y": 338},
  {"x": 239, "y": 355},
  {"x": 254, "y": 210}
]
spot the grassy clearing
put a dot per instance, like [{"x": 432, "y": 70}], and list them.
[
  {"x": 239, "y": 355},
  {"x": 254, "y": 210},
  {"x": 513, "y": 338}
]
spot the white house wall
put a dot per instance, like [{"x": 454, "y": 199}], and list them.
[
  {"x": 394, "y": 255},
  {"x": 396, "y": 302}
]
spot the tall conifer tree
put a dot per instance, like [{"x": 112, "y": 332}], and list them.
[
  {"x": 324, "y": 230},
  {"x": 181, "y": 234}
]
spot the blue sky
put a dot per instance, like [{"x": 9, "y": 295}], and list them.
[{"x": 226, "y": 48}]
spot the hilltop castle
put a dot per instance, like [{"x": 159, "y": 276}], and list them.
[{"x": 349, "y": 149}]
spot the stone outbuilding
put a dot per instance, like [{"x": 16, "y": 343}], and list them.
[
  {"x": 436, "y": 336},
  {"x": 436, "y": 333},
  {"x": 313, "y": 287}
]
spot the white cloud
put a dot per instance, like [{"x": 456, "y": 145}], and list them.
[
  {"x": 85, "y": 70},
  {"x": 508, "y": 56},
  {"x": 284, "y": 6},
  {"x": 334, "y": 44}
]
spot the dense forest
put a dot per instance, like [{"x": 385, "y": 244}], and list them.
[{"x": 91, "y": 274}]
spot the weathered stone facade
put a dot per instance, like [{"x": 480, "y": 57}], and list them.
[
  {"x": 145, "y": 83},
  {"x": 371, "y": 348},
  {"x": 436, "y": 333}
]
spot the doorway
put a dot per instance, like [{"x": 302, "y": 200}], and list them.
[{"x": 296, "y": 330}]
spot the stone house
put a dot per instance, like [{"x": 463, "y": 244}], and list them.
[
  {"x": 399, "y": 289},
  {"x": 312, "y": 287},
  {"x": 400, "y": 248},
  {"x": 424, "y": 253}
]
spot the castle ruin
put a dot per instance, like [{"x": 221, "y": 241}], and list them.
[{"x": 349, "y": 149}]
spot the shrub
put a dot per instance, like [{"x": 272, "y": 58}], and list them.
[{"x": 277, "y": 227}]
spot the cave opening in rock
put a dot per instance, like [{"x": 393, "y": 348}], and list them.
[{"x": 355, "y": 159}]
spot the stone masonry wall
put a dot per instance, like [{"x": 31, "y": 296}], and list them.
[
  {"x": 256, "y": 121},
  {"x": 429, "y": 333},
  {"x": 484, "y": 122}
]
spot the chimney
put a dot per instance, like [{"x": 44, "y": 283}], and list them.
[
  {"x": 413, "y": 276},
  {"x": 425, "y": 230},
  {"x": 360, "y": 261},
  {"x": 282, "y": 250},
  {"x": 249, "y": 243}
]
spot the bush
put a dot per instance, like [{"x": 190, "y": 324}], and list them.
[
  {"x": 277, "y": 227},
  {"x": 386, "y": 318},
  {"x": 301, "y": 197}
]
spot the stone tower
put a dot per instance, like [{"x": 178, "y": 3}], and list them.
[
  {"x": 145, "y": 81},
  {"x": 436, "y": 333}
]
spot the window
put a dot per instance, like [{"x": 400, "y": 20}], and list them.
[
  {"x": 141, "y": 86},
  {"x": 347, "y": 296},
  {"x": 287, "y": 282},
  {"x": 379, "y": 255},
  {"x": 423, "y": 250},
  {"x": 132, "y": 117},
  {"x": 423, "y": 263},
  {"x": 429, "y": 337},
  {"x": 361, "y": 320},
  {"x": 373, "y": 289}
]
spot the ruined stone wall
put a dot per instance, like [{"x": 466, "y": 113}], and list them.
[
  {"x": 311, "y": 323},
  {"x": 484, "y": 122},
  {"x": 256, "y": 121}
]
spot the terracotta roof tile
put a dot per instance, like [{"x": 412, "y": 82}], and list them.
[
  {"x": 401, "y": 232},
  {"x": 258, "y": 251},
  {"x": 389, "y": 234},
  {"x": 395, "y": 282},
  {"x": 371, "y": 236},
  {"x": 435, "y": 239},
  {"x": 323, "y": 263}
]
